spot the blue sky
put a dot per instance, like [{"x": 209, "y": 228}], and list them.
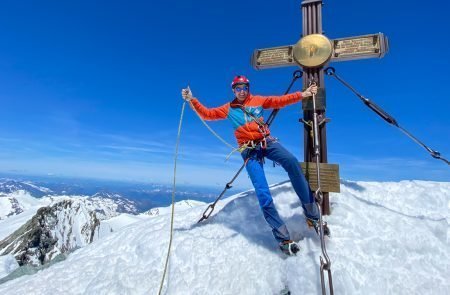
[{"x": 92, "y": 88}]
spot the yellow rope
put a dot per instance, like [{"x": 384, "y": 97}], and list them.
[
  {"x": 212, "y": 131},
  {"x": 173, "y": 198},
  {"x": 240, "y": 149}
]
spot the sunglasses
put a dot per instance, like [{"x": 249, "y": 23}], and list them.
[{"x": 241, "y": 88}]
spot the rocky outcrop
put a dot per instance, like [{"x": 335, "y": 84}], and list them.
[
  {"x": 10, "y": 206},
  {"x": 53, "y": 230}
]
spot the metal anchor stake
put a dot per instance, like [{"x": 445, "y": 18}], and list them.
[{"x": 325, "y": 263}]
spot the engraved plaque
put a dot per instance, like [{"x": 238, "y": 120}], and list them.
[
  {"x": 360, "y": 47},
  {"x": 273, "y": 57},
  {"x": 329, "y": 176},
  {"x": 351, "y": 48}
]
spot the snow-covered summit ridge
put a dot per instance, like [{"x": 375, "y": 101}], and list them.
[
  {"x": 179, "y": 206},
  {"x": 19, "y": 196},
  {"x": 379, "y": 245}
]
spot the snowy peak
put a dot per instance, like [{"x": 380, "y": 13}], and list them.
[
  {"x": 119, "y": 203},
  {"x": 55, "y": 229},
  {"x": 179, "y": 206},
  {"x": 67, "y": 224},
  {"x": 106, "y": 205}
]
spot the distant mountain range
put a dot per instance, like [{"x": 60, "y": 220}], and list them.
[
  {"x": 9, "y": 186},
  {"x": 144, "y": 195}
]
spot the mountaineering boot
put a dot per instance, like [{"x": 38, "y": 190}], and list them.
[
  {"x": 316, "y": 225},
  {"x": 289, "y": 247}
]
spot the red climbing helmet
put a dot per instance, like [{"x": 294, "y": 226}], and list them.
[{"x": 240, "y": 80}]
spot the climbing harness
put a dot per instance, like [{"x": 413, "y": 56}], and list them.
[
  {"x": 330, "y": 71},
  {"x": 173, "y": 198},
  {"x": 325, "y": 263},
  {"x": 296, "y": 75},
  {"x": 240, "y": 148}
]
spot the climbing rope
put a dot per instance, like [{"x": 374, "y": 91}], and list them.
[
  {"x": 173, "y": 198},
  {"x": 330, "y": 71},
  {"x": 211, "y": 130}
]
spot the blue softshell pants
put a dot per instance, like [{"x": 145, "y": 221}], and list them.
[{"x": 276, "y": 152}]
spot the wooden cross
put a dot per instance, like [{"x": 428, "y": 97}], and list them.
[{"x": 350, "y": 48}]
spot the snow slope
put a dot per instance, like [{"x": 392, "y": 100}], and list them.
[
  {"x": 179, "y": 206},
  {"x": 7, "y": 265},
  {"x": 387, "y": 238},
  {"x": 20, "y": 206},
  {"x": 123, "y": 220},
  {"x": 117, "y": 223}
]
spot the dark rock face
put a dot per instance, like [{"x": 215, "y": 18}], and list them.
[
  {"x": 11, "y": 204},
  {"x": 15, "y": 207}
]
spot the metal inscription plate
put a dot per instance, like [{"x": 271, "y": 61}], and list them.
[
  {"x": 273, "y": 57},
  {"x": 329, "y": 176},
  {"x": 367, "y": 46},
  {"x": 351, "y": 48}
]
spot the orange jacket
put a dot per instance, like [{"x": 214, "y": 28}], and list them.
[{"x": 245, "y": 127}]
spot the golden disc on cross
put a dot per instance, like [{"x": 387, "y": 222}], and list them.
[{"x": 312, "y": 51}]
